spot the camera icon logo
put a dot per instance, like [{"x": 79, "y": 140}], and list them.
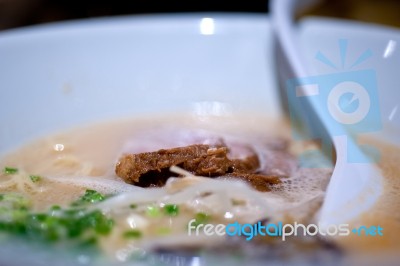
[
  {"x": 348, "y": 103},
  {"x": 348, "y": 99}
]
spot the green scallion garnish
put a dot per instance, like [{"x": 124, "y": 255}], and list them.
[
  {"x": 90, "y": 196},
  {"x": 153, "y": 211},
  {"x": 132, "y": 234},
  {"x": 10, "y": 170},
  {"x": 35, "y": 178},
  {"x": 171, "y": 209},
  {"x": 66, "y": 224},
  {"x": 201, "y": 218}
]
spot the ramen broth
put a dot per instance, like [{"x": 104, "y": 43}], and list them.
[
  {"x": 84, "y": 158},
  {"x": 385, "y": 213}
]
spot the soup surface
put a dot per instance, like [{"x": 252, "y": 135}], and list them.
[{"x": 63, "y": 189}]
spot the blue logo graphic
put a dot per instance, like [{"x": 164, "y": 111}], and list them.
[
  {"x": 368, "y": 231},
  {"x": 280, "y": 229},
  {"x": 347, "y": 100}
]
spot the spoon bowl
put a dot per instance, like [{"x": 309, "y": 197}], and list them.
[{"x": 315, "y": 102}]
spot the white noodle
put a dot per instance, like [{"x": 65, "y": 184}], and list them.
[
  {"x": 142, "y": 196},
  {"x": 21, "y": 181},
  {"x": 101, "y": 184},
  {"x": 177, "y": 170}
]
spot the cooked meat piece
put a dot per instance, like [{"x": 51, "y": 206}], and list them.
[
  {"x": 247, "y": 165},
  {"x": 213, "y": 163},
  {"x": 153, "y": 178},
  {"x": 198, "y": 159},
  {"x": 152, "y": 168},
  {"x": 260, "y": 182}
]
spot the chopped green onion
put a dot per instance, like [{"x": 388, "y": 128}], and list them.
[
  {"x": 10, "y": 170},
  {"x": 101, "y": 223},
  {"x": 201, "y": 218},
  {"x": 35, "y": 178},
  {"x": 171, "y": 209},
  {"x": 163, "y": 231},
  {"x": 55, "y": 208},
  {"x": 72, "y": 224},
  {"x": 90, "y": 196},
  {"x": 15, "y": 201},
  {"x": 132, "y": 234},
  {"x": 153, "y": 211}
]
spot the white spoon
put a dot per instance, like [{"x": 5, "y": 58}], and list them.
[{"x": 354, "y": 187}]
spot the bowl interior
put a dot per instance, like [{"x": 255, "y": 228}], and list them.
[{"x": 61, "y": 75}]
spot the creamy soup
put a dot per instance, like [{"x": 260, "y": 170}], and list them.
[{"x": 63, "y": 189}]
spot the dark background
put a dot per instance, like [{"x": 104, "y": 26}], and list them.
[{"x": 17, "y": 13}]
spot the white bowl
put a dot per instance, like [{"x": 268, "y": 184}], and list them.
[
  {"x": 61, "y": 75},
  {"x": 58, "y": 75}
]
